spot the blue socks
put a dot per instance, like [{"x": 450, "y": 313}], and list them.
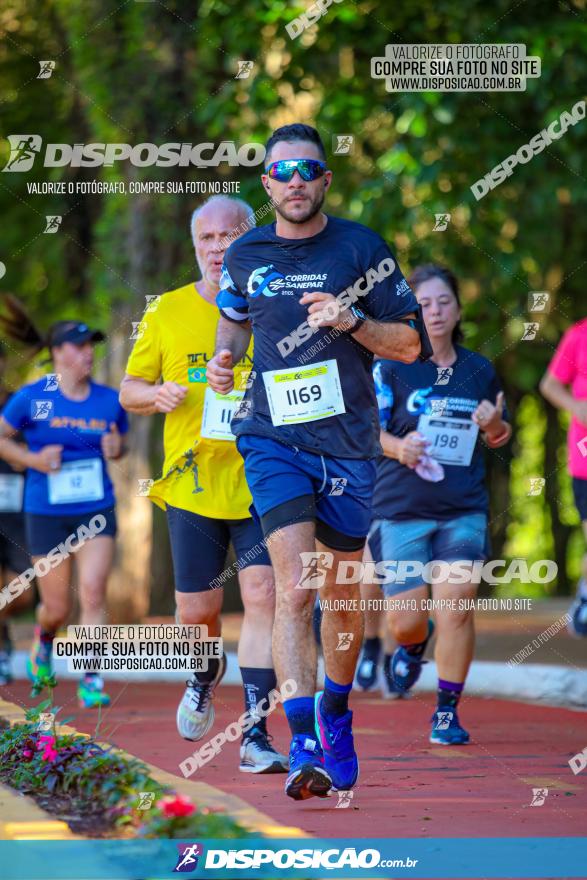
[
  {"x": 449, "y": 693},
  {"x": 257, "y": 683},
  {"x": 335, "y": 701},
  {"x": 300, "y": 715}
]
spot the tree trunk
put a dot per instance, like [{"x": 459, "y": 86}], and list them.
[
  {"x": 561, "y": 533},
  {"x": 129, "y": 586}
]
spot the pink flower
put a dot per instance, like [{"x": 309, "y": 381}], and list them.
[
  {"x": 49, "y": 754},
  {"x": 27, "y": 753},
  {"x": 176, "y": 806},
  {"x": 46, "y": 743}
]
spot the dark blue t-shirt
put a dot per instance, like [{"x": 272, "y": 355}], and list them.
[
  {"x": 324, "y": 399},
  {"x": 46, "y": 417},
  {"x": 406, "y": 392}
]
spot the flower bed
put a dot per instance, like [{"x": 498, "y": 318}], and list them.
[{"x": 95, "y": 789}]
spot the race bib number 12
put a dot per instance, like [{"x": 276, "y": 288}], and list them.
[
  {"x": 77, "y": 481},
  {"x": 304, "y": 395}
]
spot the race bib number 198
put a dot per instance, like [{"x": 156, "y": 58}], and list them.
[
  {"x": 304, "y": 395},
  {"x": 452, "y": 441}
]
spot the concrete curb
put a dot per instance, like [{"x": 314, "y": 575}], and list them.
[
  {"x": 21, "y": 818},
  {"x": 527, "y": 682}
]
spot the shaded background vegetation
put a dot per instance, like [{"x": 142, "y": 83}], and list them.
[{"x": 161, "y": 72}]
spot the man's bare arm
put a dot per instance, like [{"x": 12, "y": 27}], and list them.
[
  {"x": 146, "y": 398},
  {"x": 137, "y": 395},
  {"x": 233, "y": 337},
  {"x": 392, "y": 340},
  {"x": 398, "y": 342},
  {"x": 232, "y": 342}
]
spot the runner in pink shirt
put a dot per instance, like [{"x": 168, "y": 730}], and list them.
[{"x": 565, "y": 386}]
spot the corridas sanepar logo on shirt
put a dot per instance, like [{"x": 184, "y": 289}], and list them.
[
  {"x": 421, "y": 403},
  {"x": 268, "y": 281}
]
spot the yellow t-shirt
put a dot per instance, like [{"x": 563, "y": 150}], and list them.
[{"x": 176, "y": 338}]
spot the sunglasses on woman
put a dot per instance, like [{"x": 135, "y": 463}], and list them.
[{"x": 308, "y": 169}]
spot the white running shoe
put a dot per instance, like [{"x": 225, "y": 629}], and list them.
[
  {"x": 259, "y": 756},
  {"x": 195, "y": 713}
]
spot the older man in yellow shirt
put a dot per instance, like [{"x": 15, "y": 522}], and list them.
[{"x": 203, "y": 488}]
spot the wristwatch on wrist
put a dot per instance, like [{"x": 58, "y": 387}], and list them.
[{"x": 360, "y": 318}]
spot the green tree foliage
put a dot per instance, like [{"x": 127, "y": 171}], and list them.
[{"x": 166, "y": 72}]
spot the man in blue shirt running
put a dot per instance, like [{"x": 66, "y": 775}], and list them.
[{"x": 321, "y": 295}]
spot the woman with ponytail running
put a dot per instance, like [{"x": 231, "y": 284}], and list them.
[
  {"x": 430, "y": 503},
  {"x": 71, "y": 426}
]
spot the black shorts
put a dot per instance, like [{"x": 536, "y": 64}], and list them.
[
  {"x": 45, "y": 532},
  {"x": 580, "y": 493},
  {"x": 13, "y": 553},
  {"x": 199, "y": 545}
]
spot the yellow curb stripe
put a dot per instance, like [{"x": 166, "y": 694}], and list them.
[
  {"x": 201, "y": 793},
  {"x": 21, "y": 818}
]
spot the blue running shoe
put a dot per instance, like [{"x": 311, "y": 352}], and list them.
[
  {"x": 307, "y": 777},
  {"x": 577, "y": 625},
  {"x": 389, "y": 689},
  {"x": 336, "y": 738},
  {"x": 446, "y": 728},
  {"x": 406, "y": 668}
]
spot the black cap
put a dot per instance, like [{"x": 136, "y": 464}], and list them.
[{"x": 73, "y": 331}]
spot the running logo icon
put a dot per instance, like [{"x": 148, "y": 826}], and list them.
[
  {"x": 441, "y": 222},
  {"x": 152, "y": 300},
  {"x": 342, "y": 144},
  {"x": 344, "y": 641},
  {"x": 246, "y": 380},
  {"x": 146, "y": 799},
  {"x": 539, "y": 795},
  {"x": 530, "y": 331},
  {"x": 443, "y": 720},
  {"x": 187, "y": 861},
  {"x": 313, "y": 574},
  {"x": 437, "y": 405},
  {"x": 41, "y": 410},
  {"x": 244, "y": 69},
  {"x": 53, "y": 222},
  {"x": 444, "y": 374},
  {"x": 23, "y": 150},
  {"x": 244, "y": 410},
  {"x": 52, "y": 381},
  {"x": 47, "y": 68},
  {"x": 538, "y": 301},
  {"x": 536, "y": 485},
  {"x": 338, "y": 484},
  {"x": 144, "y": 488},
  {"x": 46, "y": 721},
  {"x": 344, "y": 799}
]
